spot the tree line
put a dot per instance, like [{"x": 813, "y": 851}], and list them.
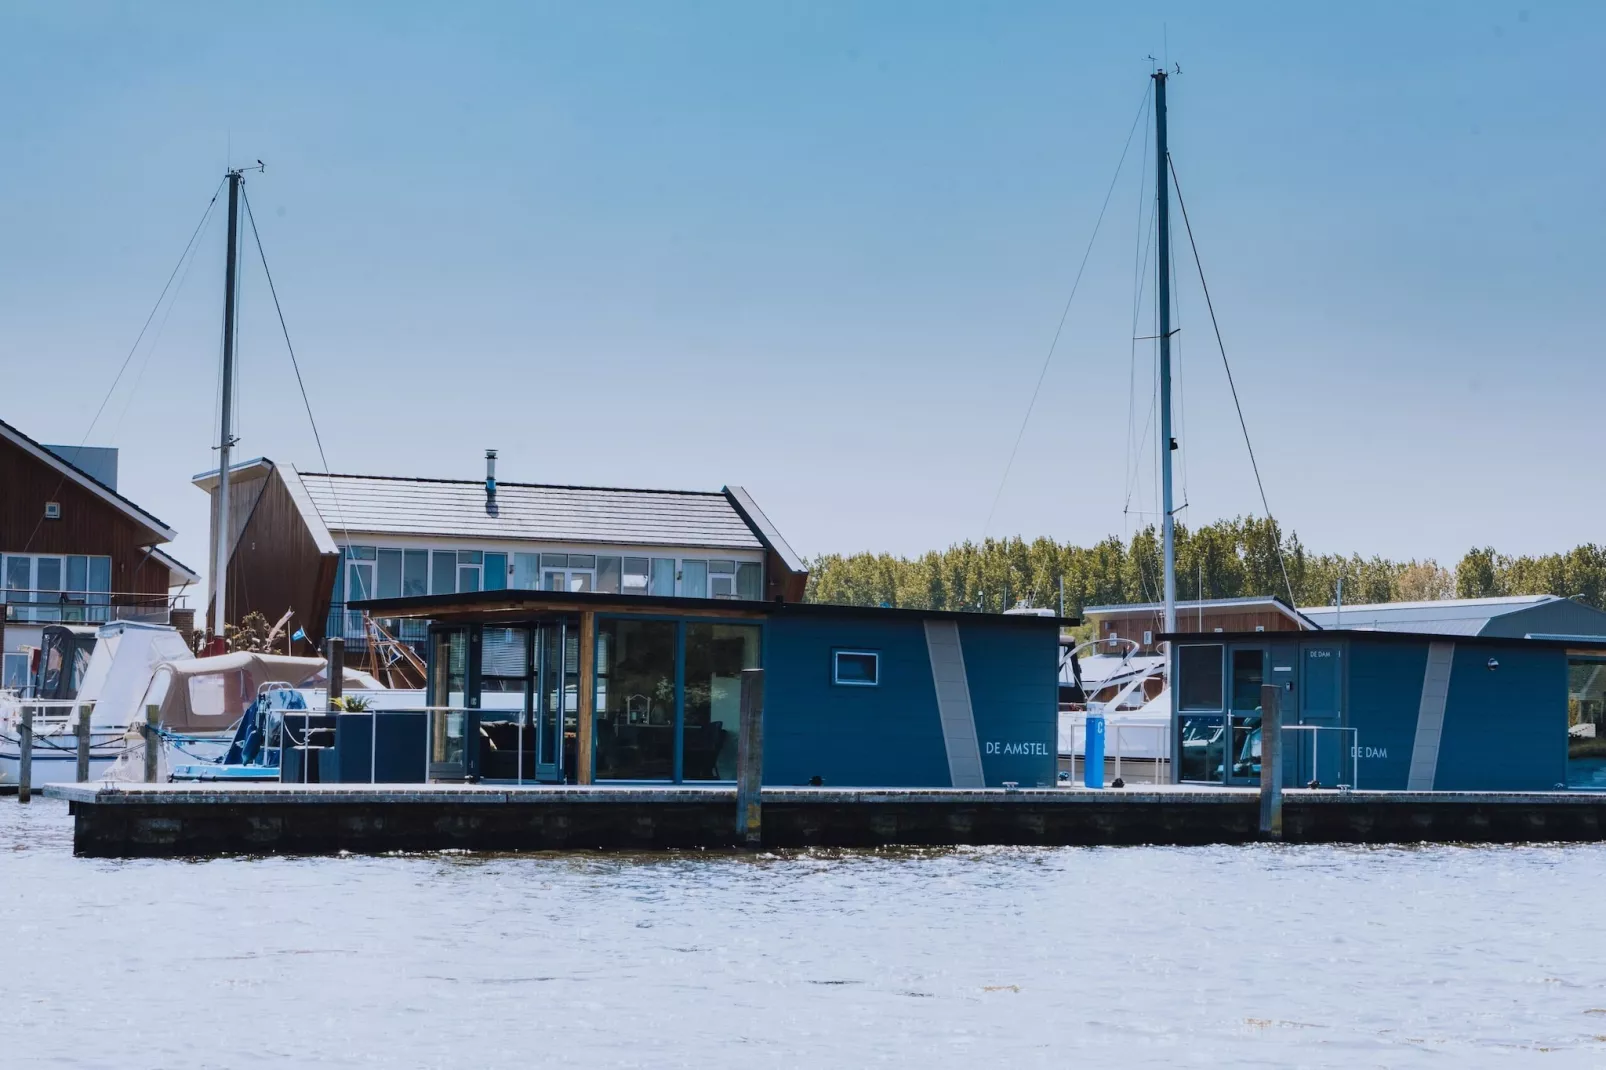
[{"x": 1226, "y": 559}]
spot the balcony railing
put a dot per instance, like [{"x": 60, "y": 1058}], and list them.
[
  {"x": 91, "y": 607},
  {"x": 348, "y": 624}
]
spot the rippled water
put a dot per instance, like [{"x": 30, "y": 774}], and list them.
[{"x": 1441, "y": 956}]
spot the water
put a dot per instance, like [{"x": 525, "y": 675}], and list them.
[{"x": 1441, "y": 956}]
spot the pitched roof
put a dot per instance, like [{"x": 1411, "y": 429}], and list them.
[
  {"x": 70, "y": 471},
  {"x": 393, "y": 505}
]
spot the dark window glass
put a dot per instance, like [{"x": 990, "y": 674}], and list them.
[
  {"x": 856, "y": 667},
  {"x": 495, "y": 572},
  {"x": 635, "y": 721},
  {"x": 716, "y": 654},
  {"x": 389, "y": 584},
  {"x": 1199, "y": 677},
  {"x": 750, "y": 581},
  {"x": 608, "y": 575},
  {"x": 415, "y": 573},
  {"x": 1201, "y": 743},
  {"x": 1248, "y": 673},
  {"x": 444, "y": 573}
]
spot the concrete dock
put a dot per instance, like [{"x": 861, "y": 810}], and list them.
[{"x": 187, "y": 820}]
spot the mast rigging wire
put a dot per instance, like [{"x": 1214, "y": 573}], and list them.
[
  {"x": 146, "y": 326},
  {"x": 295, "y": 364},
  {"x": 1242, "y": 424},
  {"x": 1065, "y": 312}
]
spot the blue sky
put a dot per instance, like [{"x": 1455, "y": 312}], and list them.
[{"x": 820, "y": 251}]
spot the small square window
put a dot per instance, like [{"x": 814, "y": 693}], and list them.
[{"x": 856, "y": 668}]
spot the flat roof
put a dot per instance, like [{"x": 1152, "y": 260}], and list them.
[
  {"x": 509, "y": 604},
  {"x": 1373, "y": 635}
]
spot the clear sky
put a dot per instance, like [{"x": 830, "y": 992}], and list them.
[{"x": 820, "y": 250}]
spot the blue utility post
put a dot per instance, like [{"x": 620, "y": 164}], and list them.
[{"x": 1093, "y": 753}]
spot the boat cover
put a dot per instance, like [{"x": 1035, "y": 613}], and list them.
[{"x": 207, "y": 695}]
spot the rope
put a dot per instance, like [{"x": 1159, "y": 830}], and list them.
[
  {"x": 1278, "y": 543},
  {"x": 1065, "y": 312}
]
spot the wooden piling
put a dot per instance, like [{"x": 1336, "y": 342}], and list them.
[
  {"x": 153, "y": 743},
  {"x": 750, "y": 760},
  {"x": 334, "y": 655},
  {"x": 25, "y": 754},
  {"x": 81, "y": 733},
  {"x": 1271, "y": 762}
]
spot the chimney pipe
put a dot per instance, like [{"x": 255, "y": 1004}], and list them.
[{"x": 490, "y": 478}]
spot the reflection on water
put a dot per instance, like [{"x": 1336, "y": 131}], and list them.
[{"x": 1347, "y": 957}]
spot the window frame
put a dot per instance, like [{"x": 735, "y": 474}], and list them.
[
  {"x": 836, "y": 667},
  {"x": 1221, "y": 676}
]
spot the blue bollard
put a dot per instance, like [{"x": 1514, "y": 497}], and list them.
[{"x": 1093, "y": 753}]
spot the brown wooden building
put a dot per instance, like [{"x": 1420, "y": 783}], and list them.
[
  {"x": 312, "y": 542},
  {"x": 72, "y": 549},
  {"x": 1142, "y": 622}
]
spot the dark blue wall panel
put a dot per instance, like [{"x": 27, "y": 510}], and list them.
[
  {"x": 1385, "y": 693},
  {"x": 884, "y": 736},
  {"x": 1506, "y": 729},
  {"x": 1013, "y": 674}
]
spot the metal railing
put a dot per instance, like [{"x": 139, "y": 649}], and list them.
[
  {"x": 86, "y": 607},
  {"x": 1129, "y": 749},
  {"x": 347, "y": 624}
]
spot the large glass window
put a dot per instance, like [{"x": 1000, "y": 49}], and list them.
[
  {"x": 443, "y": 572},
  {"x": 415, "y": 573},
  {"x": 1248, "y": 673},
  {"x": 663, "y": 576},
  {"x": 722, "y": 579},
  {"x": 527, "y": 572},
  {"x": 1201, "y": 745},
  {"x": 635, "y": 718},
  {"x": 716, "y": 654},
  {"x": 1586, "y": 723},
  {"x": 448, "y": 723},
  {"x": 1199, "y": 674},
  {"x": 495, "y": 572},
  {"x": 750, "y": 581},
  {"x": 389, "y": 584},
  {"x": 505, "y": 683},
  {"x": 694, "y": 579},
  {"x": 609, "y": 575},
  {"x": 469, "y": 563},
  {"x": 636, "y": 573}
]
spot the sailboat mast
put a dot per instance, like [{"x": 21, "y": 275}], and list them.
[
  {"x": 220, "y": 544},
  {"x": 1162, "y": 216}
]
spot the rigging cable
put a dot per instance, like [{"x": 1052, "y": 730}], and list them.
[
  {"x": 1065, "y": 312},
  {"x": 1254, "y": 464},
  {"x": 196, "y": 233},
  {"x": 296, "y": 365}
]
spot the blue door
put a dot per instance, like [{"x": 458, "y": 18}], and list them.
[{"x": 1322, "y": 752}]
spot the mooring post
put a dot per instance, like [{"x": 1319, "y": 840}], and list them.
[
  {"x": 153, "y": 742},
  {"x": 334, "y": 655},
  {"x": 1271, "y": 762},
  {"x": 83, "y": 742},
  {"x": 750, "y": 760},
  {"x": 25, "y": 755}
]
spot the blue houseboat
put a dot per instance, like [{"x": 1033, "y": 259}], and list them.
[
  {"x": 1380, "y": 709},
  {"x": 583, "y": 687}
]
